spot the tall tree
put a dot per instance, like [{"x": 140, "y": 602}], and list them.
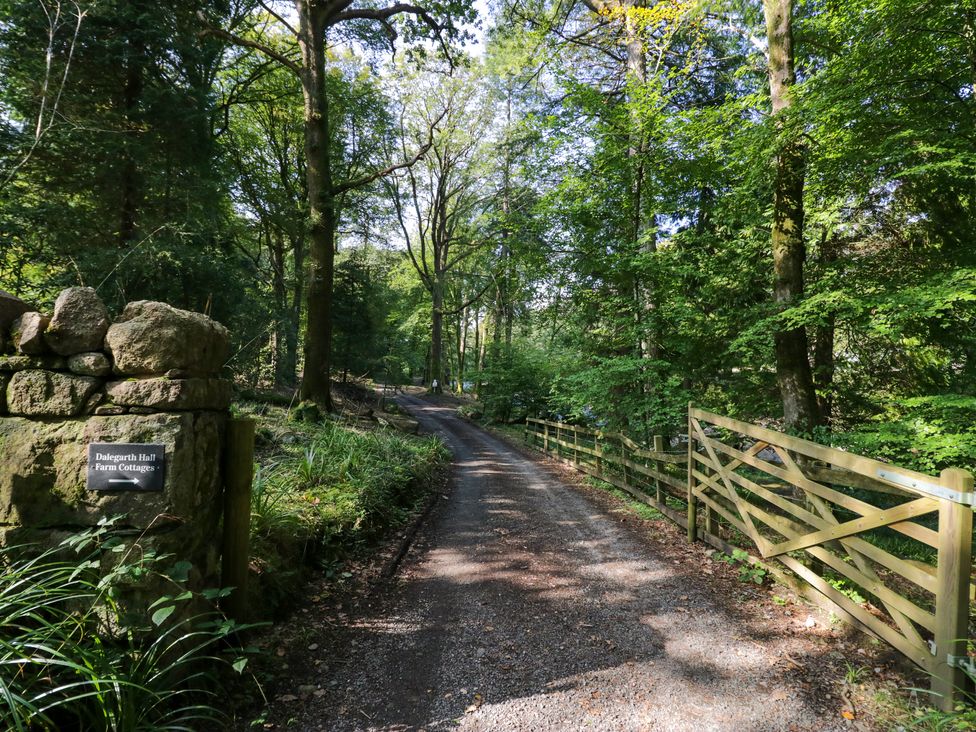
[
  {"x": 437, "y": 201},
  {"x": 316, "y": 19},
  {"x": 800, "y": 407}
]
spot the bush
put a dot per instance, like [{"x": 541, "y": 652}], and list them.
[
  {"x": 926, "y": 433},
  {"x": 70, "y": 661},
  {"x": 328, "y": 491},
  {"x": 515, "y": 384}
]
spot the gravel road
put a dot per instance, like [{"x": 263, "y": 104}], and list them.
[{"x": 526, "y": 604}]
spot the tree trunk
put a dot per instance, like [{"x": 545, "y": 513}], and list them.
[
  {"x": 462, "y": 347},
  {"x": 479, "y": 348},
  {"x": 131, "y": 185},
  {"x": 276, "y": 250},
  {"x": 437, "y": 336},
  {"x": 793, "y": 371},
  {"x": 321, "y": 209},
  {"x": 290, "y": 367}
]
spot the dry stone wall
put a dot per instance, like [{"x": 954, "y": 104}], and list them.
[{"x": 73, "y": 378}]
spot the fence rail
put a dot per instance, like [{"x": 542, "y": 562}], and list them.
[
  {"x": 654, "y": 476},
  {"x": 886, "y": 548}
]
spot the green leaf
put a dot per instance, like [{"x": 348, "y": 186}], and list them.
[{"x": 159, "y": 617}]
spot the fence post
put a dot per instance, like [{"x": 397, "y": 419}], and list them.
[
  {"x": 575, "y": 445},
  {"x": 235, "y": 551},
  {"x": 624, "y": 459},
  {"x": 692, "y": 501},
  {"x": 952, "y": 588},
  {"x": 598, "y": 449},
  {"x": 658, "y": 466},
  {"x": 545, "y": 438}
]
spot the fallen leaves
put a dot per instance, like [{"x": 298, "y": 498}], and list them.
[{"x": 475, "y": 704}]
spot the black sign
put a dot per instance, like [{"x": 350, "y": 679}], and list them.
[{"x": 123, "y": 467}]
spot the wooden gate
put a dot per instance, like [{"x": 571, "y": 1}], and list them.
[{"x": 889, "y": 549}]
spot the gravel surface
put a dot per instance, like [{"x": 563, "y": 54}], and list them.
[{"x": 527, "y": 603}]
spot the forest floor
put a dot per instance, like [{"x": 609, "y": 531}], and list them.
[{"x": 529, "y": 600}]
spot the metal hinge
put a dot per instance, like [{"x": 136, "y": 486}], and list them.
[
  {"x": 966, "y": 663},
  {"x": 923, "y": 486}
]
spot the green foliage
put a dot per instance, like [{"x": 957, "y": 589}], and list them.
[
  {"x": 515, "y": 383},
  {"x": 73, "y": 657},
  {"x": 753, "y": 572},
  {"x": 925, "y": 433},
  {"x": 326, "y": 491}
]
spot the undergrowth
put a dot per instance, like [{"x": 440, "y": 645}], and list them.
[
  {"x": 72, "y": 657},
  {"x": 324, "y": 491}
]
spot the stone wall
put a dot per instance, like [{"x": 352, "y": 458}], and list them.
[{"x": 75, "y": 377}]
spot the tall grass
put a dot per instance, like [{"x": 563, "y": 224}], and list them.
[
  {"x": 69, "y": 660},
  {"x": 330, "y": 491}
]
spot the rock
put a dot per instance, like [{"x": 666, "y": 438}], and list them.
[
  {"x": 22, "y": 363},
  {"x": 36, "y": 393},
  {"x": 79, "y": 323},
  {"x": 172, "y": 395},
  {"x": 43, "y": 479},
  {"x": 11, "y": 308},
  {"x": 154, "y": 338},
  {"x": 27, "y": 333},
  {"x": 4, "y": 380},
  {"x": 110, "y": 410},
  {"x": 93, "y": 401},
  {"x": 90, "y": 364},
  {"x": 143, "y": 410}
]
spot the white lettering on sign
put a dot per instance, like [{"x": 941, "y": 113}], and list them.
[{"x": 121, "y": 466}]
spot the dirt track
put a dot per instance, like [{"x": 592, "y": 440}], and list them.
[{"x": 527, "y": 605}]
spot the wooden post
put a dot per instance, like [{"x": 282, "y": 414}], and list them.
[
  {"x": 545, "y": 438},
  {"x": 659, "y": 467},
  {"x": 952, "y": 588},
  {"x": 624, "y": 459},
  {"x": 575, "y": 446},
  {"x": 692, "y": 501},
  {"x": 598, "y": 449},
  {"x": 238, "y": 462}
]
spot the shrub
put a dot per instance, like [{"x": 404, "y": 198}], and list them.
[
  {"x": 69, "y": 659},
  {"x": 328, "y": 492}
]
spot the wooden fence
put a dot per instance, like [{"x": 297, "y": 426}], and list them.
[
  {"x": 888, "y": 549},
  {"x": 654, "y": 476}
]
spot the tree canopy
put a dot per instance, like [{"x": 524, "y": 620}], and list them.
[{"x": 602, "y": 211}]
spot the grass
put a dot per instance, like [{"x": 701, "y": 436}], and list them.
[
  {"x": 326, "y": 491},
  {"x": 896, "y": 710},
  {"x": 638, "y": 507},
  {"x": 71, "y": 659}
]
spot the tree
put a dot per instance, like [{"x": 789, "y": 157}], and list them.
[
  {"x": 316, "y": 19},
  {"x": 800, "y": 408},
  {"x": 438, "y": 200},
  {"x": 122, "y": 189}
]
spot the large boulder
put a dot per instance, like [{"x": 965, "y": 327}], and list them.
[
  {"x": 79, "y": 323},
  {"x": 153, "y": 338},
  {"x": 27, "y": 333},
  {"x": 36, "y": 393},
  {"x": 11, "y": 308},
  {"x": 172, "y": 394}
]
